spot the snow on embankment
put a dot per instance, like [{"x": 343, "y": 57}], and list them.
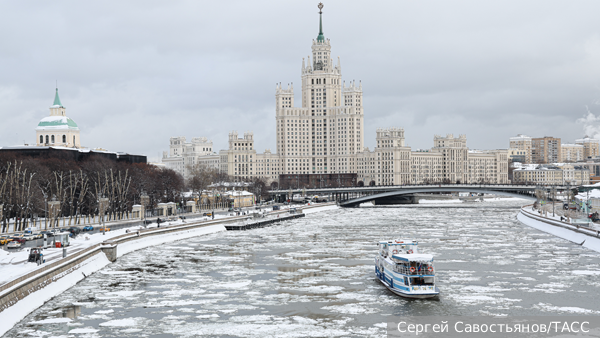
[
  {"x": 12, "y": 315},
  {"x": 128, "y": 247},
  {"x": 561, "y": 230}
]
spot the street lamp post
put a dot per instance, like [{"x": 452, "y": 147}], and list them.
[
  {"x": 54, "y": 209},
  {"x": 553, "y": 198},
  {"x": 144, "y": 201},
  {"x": 45, "y": 212},
  {"x": 102, "y": 204}
]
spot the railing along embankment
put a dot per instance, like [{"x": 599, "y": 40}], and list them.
[{"x": 587, "y": 237}]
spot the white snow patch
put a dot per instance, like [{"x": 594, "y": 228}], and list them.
[
  {"x": 350, "y": 309},
  {"x": 124, "y": 293},
  {"x": 102, "y": 312},
  {"x": 439, "y": 201},
  {"x": 125, "y": 322},
  {"x": 551, "y": 308},
  {"x": 586, "y": 272},
  {"x": 52, "y": 321},
  {"x": 214, "y": 315},
  {"x": 83, "y": 330}
]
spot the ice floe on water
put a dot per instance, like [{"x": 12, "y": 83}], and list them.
[
  {"x": 314, "y": 277},
  {"x": 52, "y": 321}
]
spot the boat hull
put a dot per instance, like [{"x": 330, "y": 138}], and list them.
[{"x": 402, "y": 293}]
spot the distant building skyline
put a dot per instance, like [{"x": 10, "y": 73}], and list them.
[{"x": 147, "y": 78}]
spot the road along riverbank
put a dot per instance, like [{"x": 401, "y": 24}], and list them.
[
  {"x": 24, "y": 294},
  {"x": 585, "y": 237}
]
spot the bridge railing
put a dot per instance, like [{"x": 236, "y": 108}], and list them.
[{"x": 401, "y": 186}]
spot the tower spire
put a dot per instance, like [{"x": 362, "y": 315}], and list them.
[
  {"x": 57, "y": 99},
  {"x": 320, "y": 38}
]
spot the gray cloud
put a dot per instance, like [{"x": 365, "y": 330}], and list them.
[{"x": 134, "y": 73}]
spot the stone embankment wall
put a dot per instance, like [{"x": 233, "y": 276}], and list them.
[
  {"x": 19, "y": 288},
  {"x": 584, "y": 236},
  {"x": 564, "y": 225}
]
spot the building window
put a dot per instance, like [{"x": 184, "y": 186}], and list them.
[
  {"x": 47, "y": 139},
  {"x": 52, "y": 138},
  {"x": 73, "y": 140},
  {"x": 64, "y": 138},
  {"x": 41, "y": 139}
]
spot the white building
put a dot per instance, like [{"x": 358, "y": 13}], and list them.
[
  {"x": 327, "y": 131},
  {"x": 182, "y": 155},
  {"x": 571, "y": 152},
  {"x": 522, "y": 143},
  {"x": 591, "y": 147},
  {"x": 57, "y": 129}
]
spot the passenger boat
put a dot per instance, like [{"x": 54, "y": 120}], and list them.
[{"x": 405, "y": 271}]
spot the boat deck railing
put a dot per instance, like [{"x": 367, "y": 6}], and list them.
[{"x": 406, "y": 271}]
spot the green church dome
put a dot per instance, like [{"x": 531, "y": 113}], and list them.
[{"x": 57, "y": 122}]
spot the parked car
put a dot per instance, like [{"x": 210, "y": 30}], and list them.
[
  {"x": 88, "y": 228},
  {"x": 18, "y": 239},
  {"x": 14, "y": 245},
  {"x": 47, "y": 233},
  {"x": 17, "y": 235},
  {"x": 229, "y": 210},
  {"x": 74, "y": 231},
  {"x": 29, "y": 237},
  {"x": 37, "y": 235},
  {"x": 4, "y": 240},
  {"x": 101, "y": 229},
  {"x": 275, "y": 207}
]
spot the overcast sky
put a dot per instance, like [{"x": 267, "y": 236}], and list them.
[{"x": 134, "y": 73}]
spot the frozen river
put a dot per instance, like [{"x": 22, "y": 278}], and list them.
[{"x": 314, "y": 276}]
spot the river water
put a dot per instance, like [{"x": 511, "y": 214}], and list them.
[{"x": 314, "y": 276}]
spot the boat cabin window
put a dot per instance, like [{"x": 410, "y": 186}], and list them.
[
  {"x": 406, "y": 281},
  {"x": 421, "y": 281}
]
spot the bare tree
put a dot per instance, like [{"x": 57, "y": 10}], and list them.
[{"x": 201, "y": 176}]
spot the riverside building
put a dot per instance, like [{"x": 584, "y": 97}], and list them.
[
  {"x": 590, "y": 147},
  {"x": 522, "y": 143},
  {"x": 182, "y": 155},
  {"x": 548, "y": 174}
]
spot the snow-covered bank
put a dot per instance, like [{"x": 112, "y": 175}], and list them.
[
  {"x": 25, "y": 306},
  {"x": 130, "y": 246},
  {"x": 9, "y": 317},
  {"x": 588, "y": 241}
]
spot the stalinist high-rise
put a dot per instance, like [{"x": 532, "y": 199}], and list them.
[{"x": 324, "y": 135}]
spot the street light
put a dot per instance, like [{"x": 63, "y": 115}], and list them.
[
  {"x": 144, "y": 201},
  {"x": 102, "y": 204}
]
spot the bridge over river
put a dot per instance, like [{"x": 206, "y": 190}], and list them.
[{"x": 354, "y": 196}]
